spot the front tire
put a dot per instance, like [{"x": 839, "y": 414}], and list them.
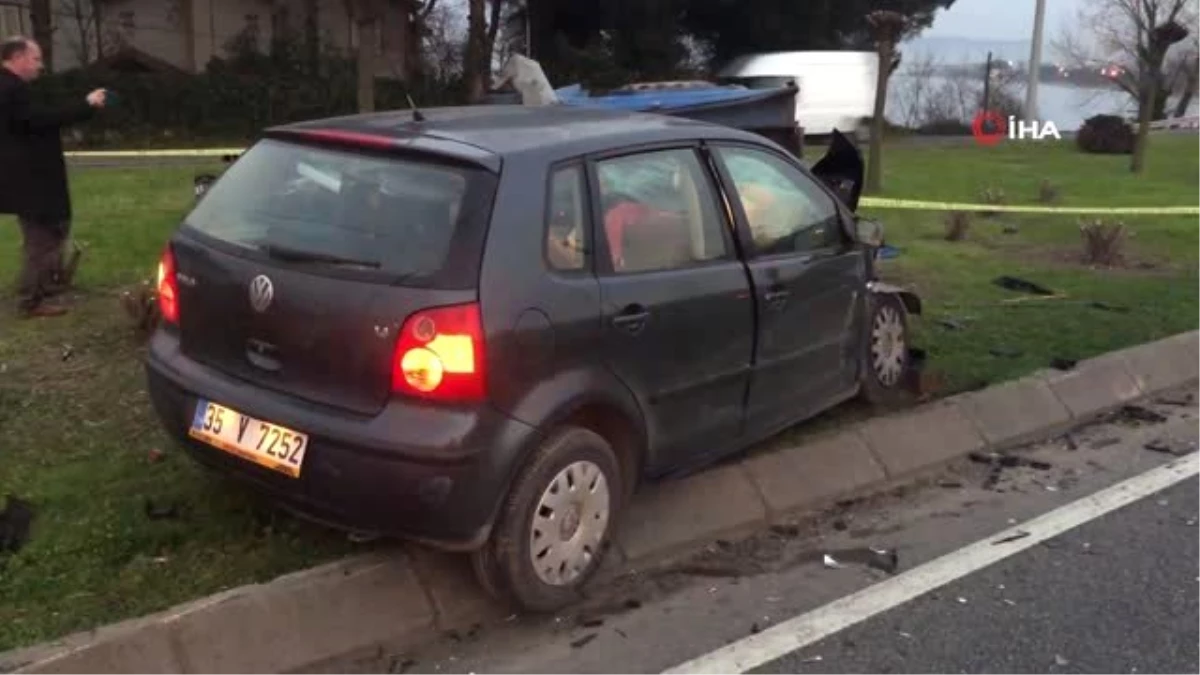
[
  {"x": 556, "y": 524},
  {"x": 885, "y": 363}
]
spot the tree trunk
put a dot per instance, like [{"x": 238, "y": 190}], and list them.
[
  {"x": 98, "y": 23},
  {"x": 1158, "y": 110},
  {"x": 368, "y": 38},
  {"x": 414, "y": 58},
  {"x": 312, "y": 35},
  {"x": 1149, "y": 91},
  {"x": 874, "y": 182},
  {"x": 43, "y": 30},
  {"x": 475, "y": 63},
  {"x": 1188, "y": 93},
  {"x": 83, "y": 25}
]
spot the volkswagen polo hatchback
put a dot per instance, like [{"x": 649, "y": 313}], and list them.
[{"x": 481, "y": 327}]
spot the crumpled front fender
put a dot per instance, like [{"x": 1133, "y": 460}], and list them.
[{"x": 910, "y": 300}]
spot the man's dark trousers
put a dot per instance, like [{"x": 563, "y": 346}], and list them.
[{"x": 42, "y": 261}]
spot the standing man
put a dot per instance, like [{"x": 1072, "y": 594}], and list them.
[{"x": 33, "y": 175}]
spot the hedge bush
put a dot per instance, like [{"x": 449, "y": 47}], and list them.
[{"x": 231, "y": 101}]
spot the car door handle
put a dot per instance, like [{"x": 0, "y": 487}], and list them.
[
  {"x": 776, "y": 297},
  {"x": 632, "y": 319}
]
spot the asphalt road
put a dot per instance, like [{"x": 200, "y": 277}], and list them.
[
  {"x": 1118, "y": 595},
  {"x": 1125, "y": 602}
]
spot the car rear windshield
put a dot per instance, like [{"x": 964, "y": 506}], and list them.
[{"x": 414, "y": 220}]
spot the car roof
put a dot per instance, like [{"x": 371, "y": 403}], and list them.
[{"x": 553, "y": 131}]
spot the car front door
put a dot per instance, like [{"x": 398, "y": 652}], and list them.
[
  {"x": 678, "y": 317},
  {"x": 808, "y": 279}
]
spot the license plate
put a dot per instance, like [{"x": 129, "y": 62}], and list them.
[{"x": 270, "y": 445}]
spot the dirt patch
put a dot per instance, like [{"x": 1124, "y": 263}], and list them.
[{"x": 1135, "y": 263}]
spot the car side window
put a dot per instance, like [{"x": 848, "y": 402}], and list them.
[
  {"x": 787, "y": 211},
  {"x": 566, "y": 218},
  {"x": 659, "y": 211}
]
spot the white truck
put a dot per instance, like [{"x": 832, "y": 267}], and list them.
[{"x": 836, "y": 88}]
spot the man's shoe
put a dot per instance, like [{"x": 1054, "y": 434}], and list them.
[{"x": 43, "y": 312}]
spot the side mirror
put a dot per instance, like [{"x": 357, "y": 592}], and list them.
[{"x": 868, "y": 232}]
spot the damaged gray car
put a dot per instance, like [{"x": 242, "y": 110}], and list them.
[{"x": 481, "y": 328}]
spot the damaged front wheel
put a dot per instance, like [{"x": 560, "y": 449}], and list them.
[{"x": 884, "y": 367}]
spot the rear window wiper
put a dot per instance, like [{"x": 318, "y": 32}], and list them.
[{"x": 300, "y": 255}]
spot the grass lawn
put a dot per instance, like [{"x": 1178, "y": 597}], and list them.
[{"x": 76, "y": 433}]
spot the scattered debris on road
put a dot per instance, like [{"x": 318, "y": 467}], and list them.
[
  {"x": 15, "y": 521},
  {"x": 155, "y": 455},
  {"x": 1061, "y": 661},
  {"x": 884, "y": 560},
  {"x": 790, "y": 531},
  {"x": 401, "y": 665},
  {"x": 1012, "y": 537},
  {"x": 1171, "y": 446},
  {"x": 1179, "y": 400},
  {"x": 951, "y": 324},
  {"x": 581, "y": 642},
  {"x": 67, "y": 352},
  {"x": 962, "y": 600},
  {"x": 1136, "y": 415}
]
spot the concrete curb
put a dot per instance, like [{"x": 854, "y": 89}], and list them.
[{"x": 395, "y": 601}]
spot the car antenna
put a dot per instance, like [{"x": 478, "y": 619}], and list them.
[{"x": 417, "y": 116}]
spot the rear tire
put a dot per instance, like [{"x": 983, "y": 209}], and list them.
[
  {"x": 556, "y": 524},
  {"x": 884, "y": 371}
]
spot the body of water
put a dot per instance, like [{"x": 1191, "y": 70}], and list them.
[{"x": 1065, "y": 105}]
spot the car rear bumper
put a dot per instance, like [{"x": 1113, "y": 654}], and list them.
[{"x": 435, "y": 474}]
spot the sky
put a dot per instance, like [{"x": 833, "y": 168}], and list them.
[{"x": 1001, "y": 19}]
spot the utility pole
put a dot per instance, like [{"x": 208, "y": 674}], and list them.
[
  {"x": 1035, "y": 61},
  {"x": 987, "y": 83}
]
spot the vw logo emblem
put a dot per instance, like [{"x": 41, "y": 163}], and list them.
[{"x": 261, "y": 293}]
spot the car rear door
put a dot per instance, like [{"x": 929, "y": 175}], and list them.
[
  {"x": 677, "y": 312},
  {"x": 808, "y": 280}
]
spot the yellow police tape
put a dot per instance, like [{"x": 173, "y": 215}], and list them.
[
  {"x": 866, "y": 202},
  {"x": 882, "y": 203}
]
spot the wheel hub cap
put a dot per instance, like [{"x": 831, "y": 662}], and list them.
[
  {"x": 887, "y": 346},
  {"x": 569, "y": 523}
]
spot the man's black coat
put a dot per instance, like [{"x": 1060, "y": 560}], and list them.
[{"x": 33, "y": 173}]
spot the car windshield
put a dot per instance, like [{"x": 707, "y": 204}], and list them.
[{"x": 325, "y": 208}]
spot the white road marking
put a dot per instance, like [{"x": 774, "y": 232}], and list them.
[{"x": 806, "y": 629}]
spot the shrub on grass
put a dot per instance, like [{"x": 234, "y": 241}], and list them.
[
  {"x": 141, "y": 304},
  {"x": 957, "y": 225},
  {"x": 991, "y": 195},
  {"x": 1103, "y": 242},
  {"x": 1048, "y": 192},
  {"x": 1105, "y": 134}
]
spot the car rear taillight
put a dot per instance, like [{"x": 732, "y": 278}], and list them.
[
  {"x": 168, "y": 288},
  {"x": 439, "y": 355}
]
